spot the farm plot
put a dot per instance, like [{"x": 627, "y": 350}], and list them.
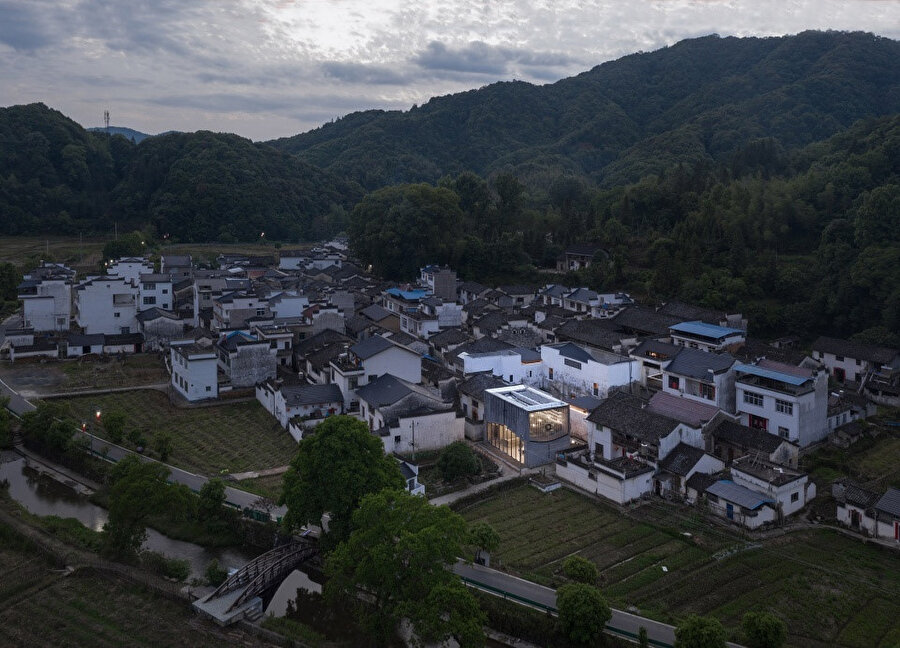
[
  {"x": 831, "y": 590},
  {"x": 232, "y": 437}
]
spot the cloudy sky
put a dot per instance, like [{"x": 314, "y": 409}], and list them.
[{"x": 271, "y": 68}]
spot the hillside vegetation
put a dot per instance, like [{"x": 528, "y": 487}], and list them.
[
  {"x": 700, "y": 100},
  {"x": 56, "y": 177}
]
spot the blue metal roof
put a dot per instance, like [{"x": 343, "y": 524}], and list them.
[
  {"x": 411, "y": 295},
  {"x": 771, "y": 374},
  {"x": 704, "y": 329}
]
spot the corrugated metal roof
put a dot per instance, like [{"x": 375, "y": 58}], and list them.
[
  {"x": 713, "y": 331},
  {"x": 740, "y": 495},
  {"x": 771, "y": 374}
]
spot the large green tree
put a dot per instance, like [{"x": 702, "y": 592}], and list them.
[
  {"x": 332, "y": 470},
  {"x": 399, "y": 229},
  {"x": 700, "y": 632},
  {"x": 395, "y": 565},
  {"x": 484, "y": 538},
  {"x": 580, "y": 570},
  {"x": 583, "y": 613},
  {"x": 48, "y": 428},
  {"x": 138, "y": 489},
  {"x": 763, "y": 630}
]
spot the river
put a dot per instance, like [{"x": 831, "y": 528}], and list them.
[{"x": 43, "y": 495}]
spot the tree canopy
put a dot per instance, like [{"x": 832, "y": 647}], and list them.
[
  {"x": 332, "y": 470},
  {"x": 399, "y": 553},
  {"x": 700, "y": 632},
  {"x": 137, "y": 490},
  {"x": 583, "y": 613},
  {"x": 763, "y": 630}
]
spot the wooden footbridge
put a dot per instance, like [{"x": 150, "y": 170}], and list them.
[{"x": 243, "y": 593}]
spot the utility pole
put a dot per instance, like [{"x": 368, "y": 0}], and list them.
[{"x": 412, "y": 425}]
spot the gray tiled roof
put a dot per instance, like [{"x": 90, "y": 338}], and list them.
[
  {"x": 681, "y": 459},
  {"x": 622, "y": 413},
  {"x": 375, "y": 312},
  {"x": 371, "y": 346},
  {"x": 697, "y": 364},
  {"x": 747, "y": 437},
  {"x": 889, "y": 503},
  {"x": 384, "y": 390},
  {"x": 312, "y": 394},
  {"x": 849, "y": 349},
  {"x": 475, "y": 385}
]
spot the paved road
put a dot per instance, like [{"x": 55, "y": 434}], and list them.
[
  {"x": 660, "y": 634},
  {"x": 234, "y": 496}
]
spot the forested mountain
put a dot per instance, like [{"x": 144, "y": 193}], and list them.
[
  {"x": 699, "y": 100},
  {"x": 128, "y": 133},
  {"x": 803, "y": 242},
  {"x": 57, "y": 177}
]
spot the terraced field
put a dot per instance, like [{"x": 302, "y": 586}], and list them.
[
  {"x": 41, "y": 607},
  {"x": 232, "y": 437},
  {"x": 831, "y": 590}
]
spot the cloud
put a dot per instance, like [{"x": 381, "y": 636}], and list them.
[
  {"x": 267, "y": 68},
  {"x": 23, "y": 26}
]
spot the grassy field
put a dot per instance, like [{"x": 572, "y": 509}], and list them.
[
  {"x": 268, "y": 486},
  {"x": 872, "y": 462},
  {"x": 831, "y": 590},
  {"x": 233, "y": 437},
  {"x": 93, "y": 373},
  {"x": 27, "y": 251},
  {"x": 40, "y": 607}
]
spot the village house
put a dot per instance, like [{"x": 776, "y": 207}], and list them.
[
  {"x": 706, "y": 337},
  {"x": 155, "y": 291},
  {"x": 512, "y": 364},
  {"x": 577, "y": 257},
  {"x": 46, "y": 295},
  {"x": 313, "y": 403},
  {"x": 471, "y": 401},
  {"x": 790, "y": 402},
  {"x": 653, "y": 357},
  {"x": 130, "y": 269},
  {"x": 159, "y": 327},
  {"x": 854, "y": 361},
  {"x": 82, "y": 345},
  {"x": 106, "y": 305},
  {"x": 244, "y": 359},
  {"x": 702, "y": 376},
  {"x": 571, "y": 370},
  {"x": 790, "y": 489},
  {"x": 408, "y": 418},
  {"x": 680, "y": 465},
  {"x": 440, "y": 281},
  {"x": 729, "y": 440},
  {"x": 365, "y": 361},
  {"x": 194, "y": 370}
]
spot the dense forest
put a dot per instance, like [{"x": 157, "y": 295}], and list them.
[
  {"x": 757, "y": 174},
  {"x": 56, "y": 177},
  {"x": 802, "y": 242},
  {"x": 699, "y": 100}
]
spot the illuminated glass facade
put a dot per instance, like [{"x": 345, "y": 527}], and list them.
[{"x": 528, "y": 425}]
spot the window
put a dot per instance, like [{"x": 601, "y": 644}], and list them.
[
  {"x": 208, "y": 388},
  {"x": 694, "y": 345},
  {"x": 858, "y": 362},
  {"x": 674, "y": 382},
  {"x": 572, "y": 363},
  {"x": 550, "y": 372},
  {"x": 752, "y": 398},
  {"x": 165, "y": 291},
  {"x": 783, "y": 432},
  {"x": 795, "y": 497},
  {"x": 596, "y": 389},
  {"x": 149, "y": 301},
  {"x": 708, "y": 391},
  {"x": 784, "y": 407},
  {"x": 510, "y": 378},
  {"x": 598, "y": 449},
  {"x": 260, "y": 312},
  {"x": 396, "y": 438},
  {"x": 150, "y": 286},
  {"x": 117, "y": 314}
]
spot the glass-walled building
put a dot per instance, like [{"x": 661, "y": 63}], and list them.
[{"x": 528, "y": 425}]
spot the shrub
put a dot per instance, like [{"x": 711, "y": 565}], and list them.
[
  {"x": 458, "y": 460},
  {"x": 164, "y": 566},
  {"x": 580, "y": 570},
  {"x": 700, "y": 632},
  {"x": 763, "y": 630},
  {"x": 215, "y": 575}
]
